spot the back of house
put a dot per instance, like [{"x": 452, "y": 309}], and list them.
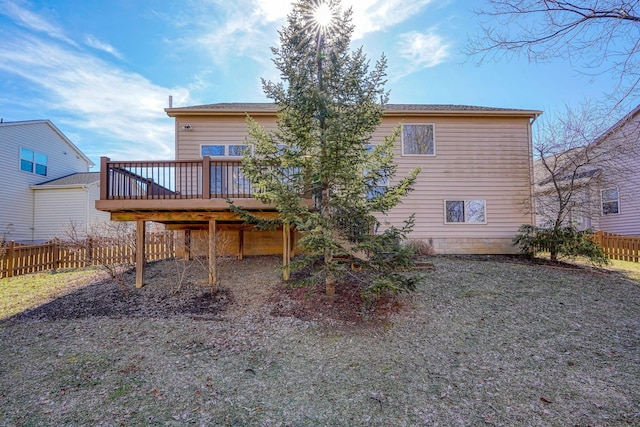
[{"x": 473, "y": 193}]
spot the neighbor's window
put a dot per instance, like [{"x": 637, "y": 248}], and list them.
[
  {"x": 465, "y": 211},
  {"x": 610, "y": 201},
  {"x": 418, "y": 140},
  {"x": 223, "y": 150},
  {"x": 33, "y": 162}
]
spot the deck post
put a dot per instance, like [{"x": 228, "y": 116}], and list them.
[
  {"x": 240, "y": 243},
  {"x": 286, "y": 250},
  {"x": 206, "y": 177},
  {"x": 213, "y": 273},
  {"x": 140, "y": 255},
  {"x": 104, "y": 178},
  {"x": 186, "y": 247}
]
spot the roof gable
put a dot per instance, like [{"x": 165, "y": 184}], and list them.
[{"x": 55, "y": 130}]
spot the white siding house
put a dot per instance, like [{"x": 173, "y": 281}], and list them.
[
  {"x": 33, "y": 152},
  {"x": 67, "y": 205}
]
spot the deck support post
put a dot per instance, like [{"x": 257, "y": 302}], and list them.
[
  {"x": 213, "y": 272},
  {"x": 241, "y": 243},
  {"x": 286, "y": 251},
  {"x": 140, "y": 255},
  {"x": 186, "y": 247}
]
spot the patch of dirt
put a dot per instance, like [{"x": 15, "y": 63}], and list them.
[
  {"x": 175, "y": 288},
  {"x": 347, "y": 305}
]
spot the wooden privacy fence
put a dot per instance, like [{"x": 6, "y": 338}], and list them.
[
  {"x": 623, "y": 248},
  {"x": 18, "y": 259}
]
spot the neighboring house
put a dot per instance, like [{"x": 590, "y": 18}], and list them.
[
  {"x": 605, "y": 176},
  {"x": 470, "y": 198},
  {"x": 32, "y": 153},
  {"x": 65, "y": 207}
]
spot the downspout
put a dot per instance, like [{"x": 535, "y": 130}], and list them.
[
  {"x": 33, "y": 214},
  {"x": 86, "y": 210},
  {"x": 532, "y": 195}
]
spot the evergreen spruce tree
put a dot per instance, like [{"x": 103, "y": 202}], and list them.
[{"x": 329, "y": 104}]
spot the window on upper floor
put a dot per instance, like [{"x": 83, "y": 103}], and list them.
[
  {"x": 224, "y": 150},
  {"x": 610, "y": 201},
  {"x": 33, "y": 162},
  {"x": 465, "y": 211},
  {"x": 418, "y": 139}
]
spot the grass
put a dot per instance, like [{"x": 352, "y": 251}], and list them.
[
  {"x": 630, "y": 269},
  {"x": 20, "y": 293},
  {"x": 480, "y": 343}
]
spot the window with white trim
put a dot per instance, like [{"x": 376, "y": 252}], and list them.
[
  {"x": 418, "y": 139},
  {"x": 224, "y": 150},
  {"x": 33, "y": 162},
  {"x": 610, "y": 201},
  {"x": 465, "y": 211}
]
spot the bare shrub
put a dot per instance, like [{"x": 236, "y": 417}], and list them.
[
  {"x": 110, "y": 245},
  {"x": 199, "y": 241},
  {"x": 421, "y": 247}
]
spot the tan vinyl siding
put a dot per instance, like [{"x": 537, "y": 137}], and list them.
[
  {"x": 205, "y": 131},
  {"x": 476, "y": 159},
  {"x": 485, "y": 157}
]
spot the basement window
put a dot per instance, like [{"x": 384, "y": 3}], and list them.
[{"x": 465, "y": 211}]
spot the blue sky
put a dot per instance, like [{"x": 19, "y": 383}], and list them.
[{"x": 102, "y": 71}]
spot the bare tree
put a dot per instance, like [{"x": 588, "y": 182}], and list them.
[
  {"x": 577, "y": 156},
  {"x": 596, "y": 36}
]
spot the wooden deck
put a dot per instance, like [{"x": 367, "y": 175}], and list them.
[
  {"x": 184, "y": 195},
  {"x": 173, "y": 186}
]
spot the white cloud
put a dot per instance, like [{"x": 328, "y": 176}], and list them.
[
  {"x": 377, "y": 15},
  {"x": 422, "y": 50},
  {"x": 32, "y": 21},
  {"x": 93, "y": 42},
  {"x": 95, "y": 96},
  {"x": 248, "y": 27}
]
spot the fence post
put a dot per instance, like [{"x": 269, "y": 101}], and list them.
[
  {"x": 10, "y": 258},
  {"x": 56, "y": 253}
]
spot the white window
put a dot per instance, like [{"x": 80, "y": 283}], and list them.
[
  {"x": 610, "y": 201},
  {"x": 465, "y": 211},
  {"x": 224, "y": 150},
  {"x": 33, "y": 162},
  {"x": 418, "y": 140}
]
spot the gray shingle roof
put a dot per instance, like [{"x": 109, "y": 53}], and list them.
[
  {"x": 81, "y": 178},
  {"x": 268, "y": 106}
]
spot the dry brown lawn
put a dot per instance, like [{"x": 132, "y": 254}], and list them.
[{"x": 484, "y": 341}]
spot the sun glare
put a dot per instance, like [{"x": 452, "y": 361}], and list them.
[{"x": 323, "y": 15}]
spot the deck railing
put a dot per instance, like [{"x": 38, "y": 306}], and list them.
[{"x": 179, "y": 179}]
